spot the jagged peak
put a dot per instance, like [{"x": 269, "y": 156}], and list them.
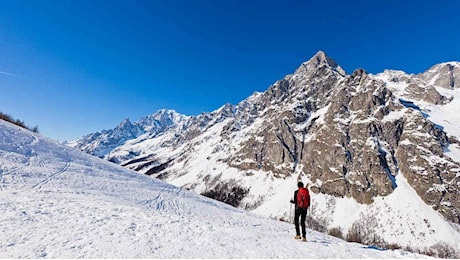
[
  {"x": 393, "y": 72},
  {"x": 447, "y": 63},
  {"x": 124, "y": 123},
  {"x": 165, "y": 112},
  {"x": 227, "y": 107},
  {"x": 445, "y": 74},
  {"x": 320, "y": 60},
  {"x": 359, "y": 72},
  {"x": 162, "y": 114},
  {"x": 160, "y": 119},
  {"x": 226, "y": 110}
]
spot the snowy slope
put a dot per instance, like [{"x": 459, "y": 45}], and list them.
[{"x": 57, "y": 202}]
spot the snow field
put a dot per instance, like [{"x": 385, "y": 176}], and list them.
[{"x": 57, "y": 202}]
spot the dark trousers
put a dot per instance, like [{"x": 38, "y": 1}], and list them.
[{"x": 302, "y": 214}]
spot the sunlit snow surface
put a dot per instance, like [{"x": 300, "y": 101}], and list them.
[{"x": 57, "y": 202}]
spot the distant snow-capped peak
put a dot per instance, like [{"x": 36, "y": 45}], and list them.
[{"x": 161, "y": 120}]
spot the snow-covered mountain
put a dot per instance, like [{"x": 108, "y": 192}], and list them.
[
  {"x": 58, "y": 202},
  {"x": 101, "y": 143},
  {"x": 381, "y": 153}
]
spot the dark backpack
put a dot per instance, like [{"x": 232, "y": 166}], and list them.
[{"x": 303, "y": 198}]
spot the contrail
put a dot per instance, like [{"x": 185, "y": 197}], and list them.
[{"x": 11, "y": 74}]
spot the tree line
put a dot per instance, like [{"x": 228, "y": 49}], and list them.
[{"x": 18, "y": 122}]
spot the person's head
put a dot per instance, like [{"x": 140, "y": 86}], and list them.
[{"x": 300, "y": 184}]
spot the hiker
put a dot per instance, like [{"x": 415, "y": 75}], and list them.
[{"x": 302, "y": 202}]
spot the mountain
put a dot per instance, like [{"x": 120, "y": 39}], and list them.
[
  {"x": 380, "y": 153},
  {"x": 100, "y": 144},
  {"x": 58, "y": 202}
]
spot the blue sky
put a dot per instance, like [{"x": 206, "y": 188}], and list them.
[{"x": 76, "y": 67}]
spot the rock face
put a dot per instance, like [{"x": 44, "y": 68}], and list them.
[
  {"x": 434, "y": 176},
  {"x": 346, "y": 135}
]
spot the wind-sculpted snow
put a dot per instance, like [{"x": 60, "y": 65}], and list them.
[{"x": 57, "y": 202}]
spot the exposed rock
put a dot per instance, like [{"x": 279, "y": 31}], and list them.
[
  {"x": 426, "y": 93},
  {"x": 446, "y": 75},
  {"x": 421, "y": 158}
]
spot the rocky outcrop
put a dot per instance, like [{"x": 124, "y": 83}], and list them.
[
  {"x": 446, "y": 75},
  {"x": 426, "y": 93},
  {"x": 433, "y": 175}
]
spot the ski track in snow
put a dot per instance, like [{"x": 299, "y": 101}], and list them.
[
  {"x": 53, "y": 175},
  {"x": 57, "y": 202}
]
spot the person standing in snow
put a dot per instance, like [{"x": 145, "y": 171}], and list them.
[{"x": 302, "y": 202}]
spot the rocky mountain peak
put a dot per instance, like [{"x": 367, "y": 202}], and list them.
[
  {"x": 161, "y": 120},
  {"x": 126, "y": 123},
  {"x": 319, "y": 61},
  {"x": 167, "y": 114},
  {"x": 124, "y": 131},
  {"x": 446, "y": 75}
]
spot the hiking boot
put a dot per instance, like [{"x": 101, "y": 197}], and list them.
[
  {"x": 297, "y": 237},
  {"x": 304, "y": 239}
]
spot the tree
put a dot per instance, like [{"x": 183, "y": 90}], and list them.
[{"x": 17, "y": 122}]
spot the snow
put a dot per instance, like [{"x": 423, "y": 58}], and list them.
[
  {"x": 393, "y": 115},
  {"x": 447, "y": 115},
  {"x": 398, "y": 87},
  {"x": 57, "y": 202},
  {"x": 424, "y": 221},
  {"x": 442, "y": 115},
  {"x": 338, "y": 207},
  {"x": 453, "y": 151}
]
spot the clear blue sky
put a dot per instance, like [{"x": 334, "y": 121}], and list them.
[{"x": 76, "y": 67}]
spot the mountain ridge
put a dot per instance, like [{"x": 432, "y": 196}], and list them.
[{"x": 346, "y": 135}]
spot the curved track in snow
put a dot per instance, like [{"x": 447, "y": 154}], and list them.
[{"x": 55, "y": 174}]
